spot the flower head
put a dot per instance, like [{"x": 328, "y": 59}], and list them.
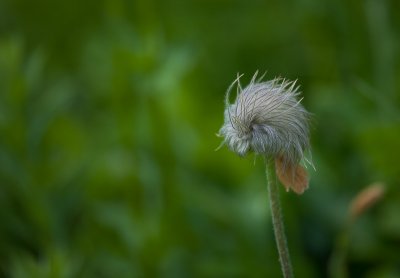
[{"x": 268, "y": 119}]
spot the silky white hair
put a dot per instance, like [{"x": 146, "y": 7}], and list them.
[{"x": 268, "y": 119}]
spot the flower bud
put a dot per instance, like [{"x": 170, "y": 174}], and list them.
[{"x": 366, "y": 199}]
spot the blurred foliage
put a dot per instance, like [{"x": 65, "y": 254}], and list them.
[{"x": 108, "y": 111}]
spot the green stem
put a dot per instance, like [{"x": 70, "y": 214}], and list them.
[
  {"x": 337, "y": 264},
  {"x": 277, "y": 220}
]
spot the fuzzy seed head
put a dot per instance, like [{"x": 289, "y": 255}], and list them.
[{"x": 266, "y": 118}]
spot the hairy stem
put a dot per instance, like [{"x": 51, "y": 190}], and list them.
[{"x": 277, "y": 220}]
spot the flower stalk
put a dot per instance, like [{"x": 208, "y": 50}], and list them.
[{"x": 277, "y": 219}]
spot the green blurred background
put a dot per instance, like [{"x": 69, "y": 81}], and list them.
[{"x": 108, "y": 115}]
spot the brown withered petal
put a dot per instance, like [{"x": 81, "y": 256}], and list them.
[{"x": 292, "y": 177}]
